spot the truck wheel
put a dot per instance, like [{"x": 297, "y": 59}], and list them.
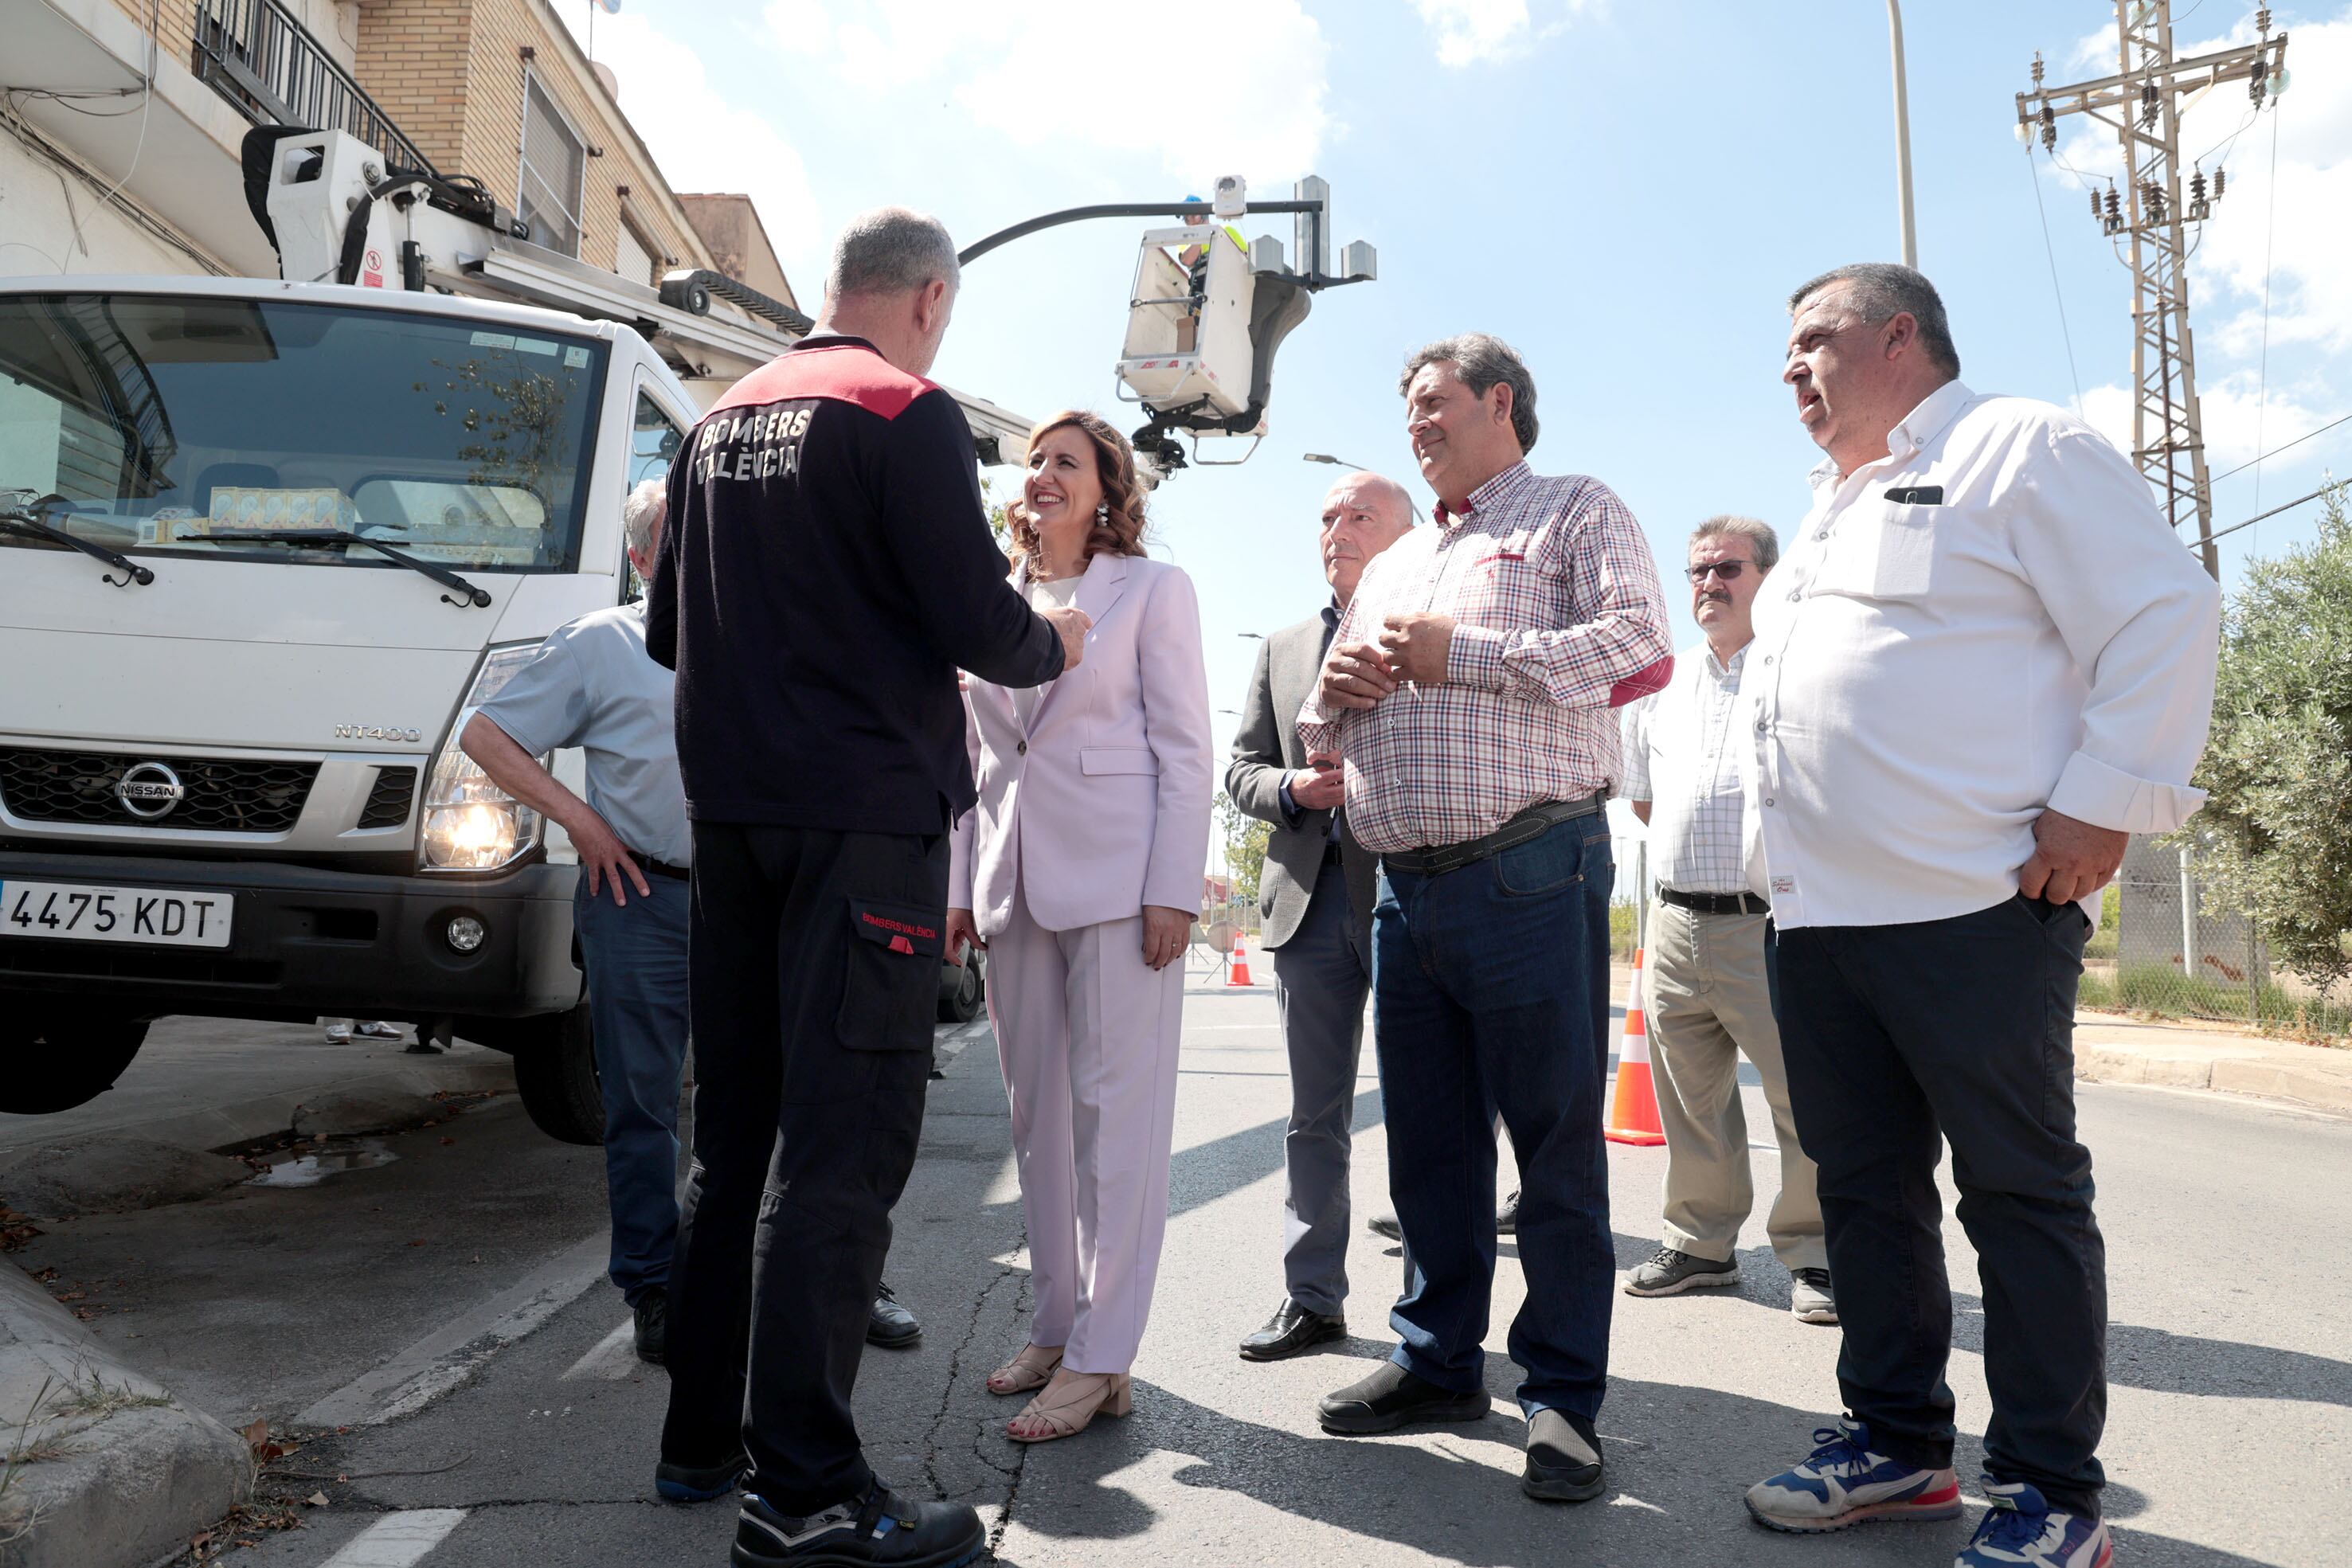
[
  {"x": 59, "y": 1057},
  {"x": 556, "y": 1076},
  {"x": 962, "y": 1004}
]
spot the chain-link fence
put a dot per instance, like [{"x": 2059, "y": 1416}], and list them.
[{"x": 2158, "y": 949}]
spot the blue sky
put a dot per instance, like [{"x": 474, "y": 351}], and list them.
[{"x": 1626, "y": 192}]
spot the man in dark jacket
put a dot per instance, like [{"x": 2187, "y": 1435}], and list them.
[
  {"x": 827, "y": 569},
  {"x": 1317, "y": 892}
]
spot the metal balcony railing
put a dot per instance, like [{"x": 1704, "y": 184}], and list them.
[{"x": 265, "y": 63}]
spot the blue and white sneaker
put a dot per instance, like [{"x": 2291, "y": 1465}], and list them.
[
  {"x": 1842, "y": 1484},
  {"x": 2021, "y": 1527}
]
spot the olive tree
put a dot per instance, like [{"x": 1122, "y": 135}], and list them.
[{"x": 2277, "y": 831}]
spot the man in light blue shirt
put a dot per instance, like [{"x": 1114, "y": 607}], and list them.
[{"x": 593, "y": 685}]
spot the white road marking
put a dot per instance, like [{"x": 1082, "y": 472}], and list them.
[
  {"x": 613, "y": 1358},
  {"x": 447, "y": 1357},
  {"x": 397, "y": 1539}
]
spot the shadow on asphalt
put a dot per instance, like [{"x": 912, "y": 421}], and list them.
[
  {"x": 1390, "y": 1485},
  {"x": 2162, "y": 1362}
]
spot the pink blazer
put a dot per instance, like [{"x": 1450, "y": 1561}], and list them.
[{"x": 1101, "y": 806}]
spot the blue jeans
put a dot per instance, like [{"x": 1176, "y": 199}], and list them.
[
  {"x": 1490, "y": 988},
  {"x": 636, "y": 1004}
]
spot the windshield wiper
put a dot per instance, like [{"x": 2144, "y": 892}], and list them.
[
  {"x": 475, "y": 598},
  {"x": 26, "y": 522}
]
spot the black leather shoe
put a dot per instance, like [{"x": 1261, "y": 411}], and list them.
[
  {"x": 1392, "y": 1397},
  {"x": 1563, "y": 1459},
  {"x": 1291, "y": 1330},
  {"x": 652, "y": 1330},
  {"x": 1507, "y": 1219},
  {"x": 700, "y": 1483},
  {"x": 880, "y": 1528},
  {"x": 892, "y": 1326}
]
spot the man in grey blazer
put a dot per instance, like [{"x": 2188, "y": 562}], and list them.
[{"x": 1316, "y": 893}]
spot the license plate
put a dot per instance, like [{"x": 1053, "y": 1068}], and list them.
[{"x": 153, "y": 916}]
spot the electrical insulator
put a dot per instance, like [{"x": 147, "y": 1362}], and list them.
[
  {"x": 2114, "y": 211},
  {"x": 2220, "y": 182},
  {"x": 2255, "y": 85},
  {"x": 2049, "y": 129},
  {"x": 2147, "y": 103},
  {"x": 2156, "y": 204},
  {"x": 2199, "y": 207},
  {"x": 2095, "y": 209}
]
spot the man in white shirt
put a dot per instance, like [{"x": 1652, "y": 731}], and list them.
[
  {"x": 1983, "y": 663},
  {"x": 1708, "y": 999}
]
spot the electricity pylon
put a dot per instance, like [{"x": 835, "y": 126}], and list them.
[{"x": 2143, "y": 102}]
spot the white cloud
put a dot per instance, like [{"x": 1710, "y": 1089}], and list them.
[
  {"x": 1039, "y": 72},
  {"x": 701, "y": 142},
  {"x": 2240, "y": 420},
  {"x": 1472, "y": 30}
]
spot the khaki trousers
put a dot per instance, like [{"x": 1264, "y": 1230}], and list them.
[{"x": 1708, "y": 1003}]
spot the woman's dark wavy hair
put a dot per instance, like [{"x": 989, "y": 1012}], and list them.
[{"x": 1121, "y": 533}]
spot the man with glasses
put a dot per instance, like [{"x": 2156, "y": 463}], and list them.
[{"x": 1707, "y": 1000}]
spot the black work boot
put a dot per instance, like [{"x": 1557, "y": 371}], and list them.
[
  {"x": 880, "y": 1528},
  {"x": 652, "y": 1330}
]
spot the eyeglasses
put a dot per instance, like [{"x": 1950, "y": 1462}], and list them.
[{"x": 1728, "y": 571}]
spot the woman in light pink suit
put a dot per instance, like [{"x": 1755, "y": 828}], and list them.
[{"x": 1079, "y": 869}]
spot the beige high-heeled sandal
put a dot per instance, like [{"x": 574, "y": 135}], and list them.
[
  {"x": 1032, "y": 1368},
  {"x": 1081, "y": 1397}
]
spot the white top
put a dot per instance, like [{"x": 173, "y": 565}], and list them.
[
  {"x": 1058, "y": 594},
  {"x": 1677, "y": 756},
  {"x": 1928, "y": 676}
]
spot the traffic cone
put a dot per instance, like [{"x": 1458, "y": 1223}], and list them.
[
  {"x": 1237, "y": 972},
  {"x": 1633, "y": 1108}
]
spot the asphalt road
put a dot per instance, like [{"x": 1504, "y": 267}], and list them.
[{"x": 445, "y": 1290}]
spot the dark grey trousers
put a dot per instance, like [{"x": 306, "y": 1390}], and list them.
[{"x": 1320, "y": 983}]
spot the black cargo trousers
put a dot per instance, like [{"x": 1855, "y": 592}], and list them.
[{"x": 814, "y": 971}]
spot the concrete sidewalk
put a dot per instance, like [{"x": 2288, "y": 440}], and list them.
[
  {"x": 205, "y": 1083},
  {"x": 2118, "y": 1048},
  {"x": 2115, "y": 1047}
]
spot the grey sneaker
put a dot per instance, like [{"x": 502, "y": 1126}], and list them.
[
  {"x": 1670, "y": 1273},
  {"x": 1810, "y": 1297}
]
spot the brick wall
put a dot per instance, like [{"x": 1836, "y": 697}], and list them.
[{"x": 413, "y": 59}]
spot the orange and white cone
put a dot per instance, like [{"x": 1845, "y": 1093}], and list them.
[
  {"x": 1237, "y": 972},
  {"x": 1633, "y": 1108}
]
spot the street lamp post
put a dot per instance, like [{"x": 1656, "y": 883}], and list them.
[
  {"x": 1902, "y": 134},
  {"x": 1326, "y": 457}
]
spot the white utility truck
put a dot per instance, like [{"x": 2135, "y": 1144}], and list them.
[{"x": 264, "y": 545}]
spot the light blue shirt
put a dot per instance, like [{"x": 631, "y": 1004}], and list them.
[{"x": 592, "y": 685}]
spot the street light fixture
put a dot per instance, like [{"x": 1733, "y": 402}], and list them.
[{"x": 1326, "y": 457}]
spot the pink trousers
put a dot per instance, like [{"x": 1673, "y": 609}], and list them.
[{"x": 1088, "y": 1039}]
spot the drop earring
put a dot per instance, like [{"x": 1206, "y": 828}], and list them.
[{"x": 1102, "y": 513}]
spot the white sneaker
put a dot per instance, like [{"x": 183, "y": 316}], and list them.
[{"x": 1810, "y": 1297}]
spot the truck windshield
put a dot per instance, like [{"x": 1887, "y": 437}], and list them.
[{"x": 175, "y": 425}]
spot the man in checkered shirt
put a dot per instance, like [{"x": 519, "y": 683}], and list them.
[
  {"x": 1707, "y": 1000},
  {"x": 1468, "y": 694}
]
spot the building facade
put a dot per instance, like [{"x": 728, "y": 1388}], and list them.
[{"x": 120, "y": 138}]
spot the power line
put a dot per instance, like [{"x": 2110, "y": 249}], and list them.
[
  {"x": 2275, "y": 451},
  {"x": 2049, "y": 250},
  {"x": 2273, "y": 512}
]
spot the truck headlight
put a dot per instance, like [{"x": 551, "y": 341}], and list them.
[{"x": 471, "y": 824}]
